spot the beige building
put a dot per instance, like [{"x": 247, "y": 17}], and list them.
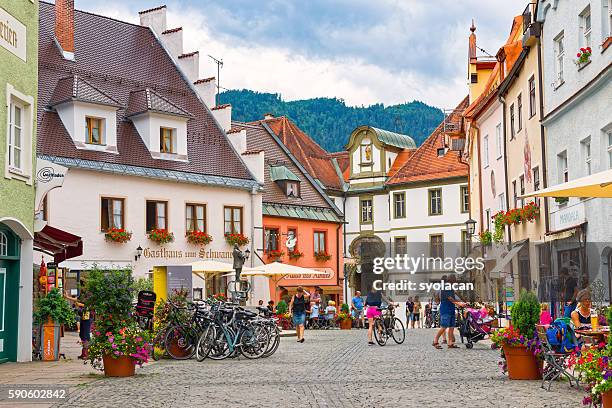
[{"x": 525, "y": 163}]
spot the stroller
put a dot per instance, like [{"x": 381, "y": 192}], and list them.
[{"x": 474, "y": 325}]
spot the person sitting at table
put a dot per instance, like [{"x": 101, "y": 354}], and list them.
[{"x": 581, "y": 316}]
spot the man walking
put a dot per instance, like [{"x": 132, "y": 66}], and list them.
[
  {"x": 409, "y": 313},
  {"x": 357, "y": 307},
  {"x": 448, "y": 301}
]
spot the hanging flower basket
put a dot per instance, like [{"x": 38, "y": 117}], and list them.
[
  {"x": 161, "y": 236},
  {"x": 584, "y": 56},
  {"x": 295, "y": 255},
  {"x": 486, "y": 238},
  {"x": 119, "y": 235},
  {"x": 275, "y": 255},
  {"x": 322, "y": 256},
  {"x": 199, "y": 238},
  {"x": 239, "y": 239}
]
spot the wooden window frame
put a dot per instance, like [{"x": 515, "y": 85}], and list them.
[
  {"x": 441, "y": 256},
  {"x": 162, "y": 137},
  {"x": 429, "y": 192},
  {"x": 395, "y": 214},
  {"x": 112, "y": 199},
  {"x": 361, "y": 200},
  {"x": 278, "y": 241},
  {"x": 232, "y": 221},
  {"x": 466, "y": 244},
  {"x": 536, "y": 178},
  {"x": 532, "y": 97},
  {"x": 314, "y": 240},
  {"x": 462, "y": 208},
  {"x": 519, "y": 112},
  {"x": 194, "y": 215},
  {"x": 89, "y": 130},
  {"x": 395, "y": 239},
  {"x": 156, "y": 216},
  {"x": 512, "y": 129}
]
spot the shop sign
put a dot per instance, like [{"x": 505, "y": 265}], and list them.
[
  {"x": 12, "y": 34},
  {"x": 179, "y": 278},
  {"x": 171, "y": 253},
  {"x": 325, "y": 273},
  {"x": 569, "y": 217}
]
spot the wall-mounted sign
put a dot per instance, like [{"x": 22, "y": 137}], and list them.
[
  {"x": 179, "y": 278},
  {"x": 171, "y": 253},
  {"x": 12, "y": 34},
  {"x": 325, "y": 273},
  {"x": 569, "y": 217}
]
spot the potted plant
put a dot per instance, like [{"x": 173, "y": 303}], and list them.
[
  {"x": 117, "y": 344},
  {"x": 561, "y": 200},
  {"x": 199, "y": 237},
  {"x": 51, "y": 312},
  {"x": 283, "y": 315},
  {"x": 239, "y": 239},
  {"x": 161, "y": 236},
  {"x": 520, "y": 347},
  {"x": 584, "y": 56},
  {"x": 275, "y": 255},
  {"x": 119, "y": 235},
  {"x": 345, "y": 319},
  {"x": 595, "y": 367},
  {"x": 322, "y": 256},
  {"x": 485, "y": 237},
  {"x": 294, "y": 255}
]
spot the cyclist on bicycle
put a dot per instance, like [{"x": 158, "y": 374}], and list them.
[{"x": 373, "y": 303}]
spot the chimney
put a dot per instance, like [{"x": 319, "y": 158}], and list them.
[
  {"x": 268, "y": 116},
  {"x": 64, "y": 27}
]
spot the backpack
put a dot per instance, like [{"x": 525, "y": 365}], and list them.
[{"x": 561, "y": 336}]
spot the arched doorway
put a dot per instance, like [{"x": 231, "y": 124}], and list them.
[
  {"x": 9, "y": 293},
  {"x": 365, "y": 249}
]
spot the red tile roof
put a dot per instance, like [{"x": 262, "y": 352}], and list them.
[
  {"x": 189, "y": 54},
  {"x": 316, "y": 160},
  {"x": 144, "y": 100},
  {"x": 424, "y": 164},
  {"x": 221, "y": 106},
  {"x": 76, "y": 88},
  {"x": 117, "y": 58},
  {"x": 201, "y": 81},
  {"x": 152, "y": 9},
  {"x": 172, "y": 30}
]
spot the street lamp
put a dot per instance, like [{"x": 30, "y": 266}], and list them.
[
  {"x": 247, "y": 253},
  {"x": 470, "y": 226},
  {"x": 138, "y": 253}
]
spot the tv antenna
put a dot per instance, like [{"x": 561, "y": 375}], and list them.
[{"x": 219, "y": 66}]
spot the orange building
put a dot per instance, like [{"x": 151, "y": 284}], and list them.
[{"x": 301, "y": 225}]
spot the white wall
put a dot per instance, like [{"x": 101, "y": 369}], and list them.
[
  {"x": 76, "y": 208},
  {"x": 72, "y": 115},
  {"x": 148, "y": 124}
]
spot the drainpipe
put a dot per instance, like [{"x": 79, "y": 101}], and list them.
[
  {"x": 338, "y": 261},
  {"x": 542, "y": 135},
  {"x": 345, "y": 283},
  {"x": 502, "y": 99}
]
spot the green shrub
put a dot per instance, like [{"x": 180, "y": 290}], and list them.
[
  {"x": 55, "y": 307},
  {"x": 526, "y": 313},
  {"x": 344, "y": 308},
  {"x": 109, "y": 294},
  {"x": 282, "y": 307}
]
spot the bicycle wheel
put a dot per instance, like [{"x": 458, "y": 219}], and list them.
[
  {"x": 254, "y": 342},
  {"x": 205, "y": 343},
  {"x": 220, "y": 348},
  {"x": 380, "y": 333},
  {"x": 181, "y": 342},
  {"x": 398, "y": 332},
  {"x": 274, "y": 341}
]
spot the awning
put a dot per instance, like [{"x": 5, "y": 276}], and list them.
[
  {"x": 594, "y": 185},
  {"x": 62, "y": 245},
  {"x": 282, "y": 173},
  {"x": 506, "y": 259},
  {"x": 88, "y": 264}
]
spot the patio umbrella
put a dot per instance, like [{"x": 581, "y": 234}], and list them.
[{"x": 594, "y": 185}]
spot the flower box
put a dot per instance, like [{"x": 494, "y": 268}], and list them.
[
  {"x": 119, "y": 235},
  {"x": 584, "y": 56},
  {"x": 275, "y": 255},
  {"x": 295, "y": 255},
  {"x": 322, "y": 256},
  {"x": 239, "y": 239},
  {"x": 161, "y": 236},
  {"x": 199, "y": 238}
]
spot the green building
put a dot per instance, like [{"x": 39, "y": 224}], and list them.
[{"x": 18, "y": 94}]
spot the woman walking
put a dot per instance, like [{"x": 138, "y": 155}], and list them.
[{"x": 298, "y": 306}]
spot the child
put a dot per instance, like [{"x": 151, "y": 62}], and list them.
[
  {"x": 314, "y": 311},
  {"x": 545, "y": 317},
  {"x": 330, "y": 311}
]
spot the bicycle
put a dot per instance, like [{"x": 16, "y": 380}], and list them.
[
  {"x": 181, "y": 338},
  {"x": 387, "y": 325}
]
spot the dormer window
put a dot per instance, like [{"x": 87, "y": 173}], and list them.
[
  {"x": 161, "y": 124},
  {"x": 166, "y": 140},
  {"x": 78, "y": 102},
  {"x": 286, "y": 180},
  {"x": 366, "y": 152},
  {"x": 94, "y": 130}
]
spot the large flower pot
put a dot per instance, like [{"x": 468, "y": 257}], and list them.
[
  {"x": 346, "y": 324},
  {"x": 118, "y": 367},
  {"x": 522, "y": 364},
  {"x": 606, "y": 399}
]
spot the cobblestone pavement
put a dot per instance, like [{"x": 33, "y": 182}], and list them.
[{"x": 331, "y": 369}]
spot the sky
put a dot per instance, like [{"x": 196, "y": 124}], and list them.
[{"x": 362, "y": 51}]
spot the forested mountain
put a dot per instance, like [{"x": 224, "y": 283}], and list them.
[{"x": 330, "y": 121}]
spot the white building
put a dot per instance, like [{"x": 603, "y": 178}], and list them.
[
  {"x": 145, "y": 145},
  {"x": 578, "y": 126}
]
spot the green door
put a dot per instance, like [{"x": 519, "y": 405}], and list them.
[{"x": 9, "y": 295}]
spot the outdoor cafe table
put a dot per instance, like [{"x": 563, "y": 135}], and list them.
[{"x": 599, "y": 335}]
